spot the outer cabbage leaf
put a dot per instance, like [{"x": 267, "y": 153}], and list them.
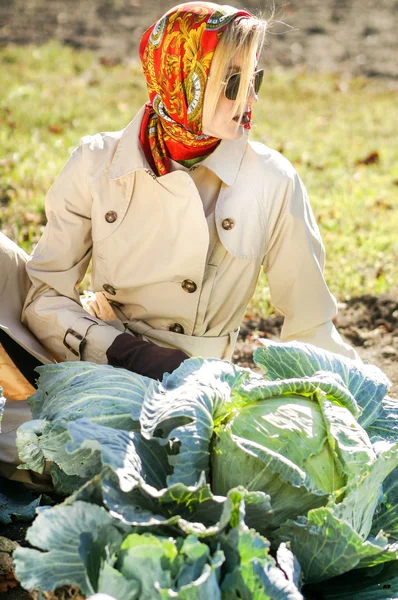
[
  {"x": 384, "y": 433},
  {"x": 289, "y": 564},
  {"x": 58, "y": 533},
  {"x": 330, "y": 384},
  {"x": 133, "y": 459},
  {"x": 183, "y": 408},
  {"x": 115, "y": 585},
  {"x": 65, "y": 484},
  {"x": 367, "y": 383},
  {"x": 30, "y": 452},
  {"x": 252, "y": 574},
  {"x": 209, "y": 372},
  {"x": 68, "y": 391},
  {"x": 363, "y": 492},
  {"x": 135, "y": 469},
  {"x": 386, "y": 424},
  {"x": 327, "y": 546},
  {"x": 191, "y": 509},
  {"x": 330, "y": 541},
  {"x": 366, "y": 584},
  {"x": 386, "y": 516}
]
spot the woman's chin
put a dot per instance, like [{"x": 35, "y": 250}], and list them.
[{"x": 232, "y": 131}]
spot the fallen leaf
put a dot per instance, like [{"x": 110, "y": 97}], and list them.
[
  {"x": 383, "y": 204},
  {"x": 372, "y": 159},
  {"x": 7, "y": 582},
  {"x": 379, "y": 272},
  {"x": 57, "y": 129}
]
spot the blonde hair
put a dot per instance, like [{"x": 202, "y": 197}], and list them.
[{"x": 244, "y": 37}]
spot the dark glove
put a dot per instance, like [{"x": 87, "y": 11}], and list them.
[{"x": 143, "y": 357}]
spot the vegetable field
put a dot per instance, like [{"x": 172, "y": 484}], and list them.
[{"x": 222, "y": 482}]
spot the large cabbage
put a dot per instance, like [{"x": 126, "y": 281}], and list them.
[{"x": 164, "y": 459}]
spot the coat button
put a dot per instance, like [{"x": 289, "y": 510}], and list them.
[
  {"x": 109, "y": 288},
  {"x": 176, "y": 328},
  {"x": 228, "y": 224},
  {"x": 111, "y": 216},
  {"x": 189, "y": 286}
]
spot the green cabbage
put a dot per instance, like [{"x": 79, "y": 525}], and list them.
[
  {"x": 313, "y": 445},
  {"x": 290, "y": 447}
]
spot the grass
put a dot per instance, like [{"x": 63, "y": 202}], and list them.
[{"x": 327, "y": 125}]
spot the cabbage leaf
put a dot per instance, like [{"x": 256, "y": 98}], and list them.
[{"x": 367, "y": 383}]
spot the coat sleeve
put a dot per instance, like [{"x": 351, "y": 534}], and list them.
[
  {"x": 52, "y": 309},
  {"x": 294, "y": 265}
]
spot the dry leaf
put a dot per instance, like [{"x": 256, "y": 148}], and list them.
[
  {"x": 372, "y": 159},
  {"x": 57, "y": 129},
  {"x": 7, "y": 582},
  {"x": 383, "y": 204}
]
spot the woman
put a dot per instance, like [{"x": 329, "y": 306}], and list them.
[{"x": 178, "y": 212}]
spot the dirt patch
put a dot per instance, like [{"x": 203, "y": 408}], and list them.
[
  {"x": 369, "y": 323},
  {"x": 355, "y": 37}
]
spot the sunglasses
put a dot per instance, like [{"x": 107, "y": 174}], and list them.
[{"x": 233, "y": 82}]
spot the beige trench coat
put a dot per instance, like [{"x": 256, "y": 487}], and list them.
[{"x": 148, "y": 239}]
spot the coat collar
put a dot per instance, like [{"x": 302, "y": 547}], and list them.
[{"x": 225, "y": 161}]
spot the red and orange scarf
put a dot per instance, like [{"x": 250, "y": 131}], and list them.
[{"x": 176, "y": 54}]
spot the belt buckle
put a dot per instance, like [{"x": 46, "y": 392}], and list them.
[{"x": 76, "y": 335}]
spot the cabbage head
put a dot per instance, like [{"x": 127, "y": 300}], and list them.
[{"x": 295, "y": 448}]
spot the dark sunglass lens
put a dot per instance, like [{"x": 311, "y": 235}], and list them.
[
  {"x": 258, "y": 79},
  {"x": 232, "y": 87}
]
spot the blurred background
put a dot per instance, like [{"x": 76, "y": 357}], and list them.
[
  {"x": 328, "y": 103},
  {"x": 358, "y": 37}
]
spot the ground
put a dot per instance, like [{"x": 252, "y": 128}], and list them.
[
  {"x": 369, "y": 323},
  {"x": 357, "y": 37}
]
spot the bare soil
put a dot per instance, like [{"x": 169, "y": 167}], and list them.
[
  {"x": 369, "y": 323},
  {"x": 354, "y": 37}
]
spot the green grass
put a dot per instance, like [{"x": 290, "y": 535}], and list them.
[{"x": 326, "y": 125}]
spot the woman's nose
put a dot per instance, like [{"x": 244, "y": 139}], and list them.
[{"x": 252, "y": 96}]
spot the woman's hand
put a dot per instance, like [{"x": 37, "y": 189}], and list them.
[{"x": 143, "y": 357}]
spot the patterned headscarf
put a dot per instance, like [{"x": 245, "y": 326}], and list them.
[{"x": 176, "y": 54}]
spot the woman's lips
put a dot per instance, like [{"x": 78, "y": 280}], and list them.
[{"x": 245, "y": 120}]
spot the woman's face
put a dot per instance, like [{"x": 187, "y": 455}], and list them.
[{"x": 221, "y": 126}]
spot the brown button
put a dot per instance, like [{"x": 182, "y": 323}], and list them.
[
  {"x": 189, "y": 286},
  {"x": 109, "y": 288},
  {"x": 228, "y": 224},
  {"x": 111, "y": 216},
  {"x": 176, "y": 328}
]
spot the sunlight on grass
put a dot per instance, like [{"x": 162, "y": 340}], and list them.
[{"x": 327, "y": 126}]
